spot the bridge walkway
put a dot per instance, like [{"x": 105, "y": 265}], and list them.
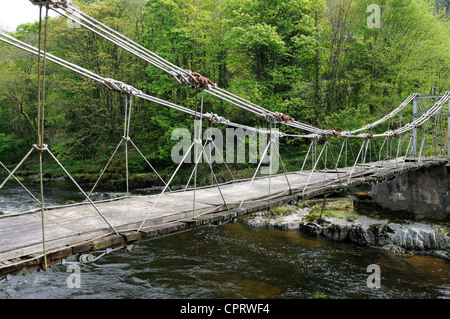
[{"x": 78, "y": 228}]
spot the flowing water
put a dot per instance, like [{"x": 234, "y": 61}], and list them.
[
  {"x": 14, "y": 199},
  {"x": 235, "y": 260}
]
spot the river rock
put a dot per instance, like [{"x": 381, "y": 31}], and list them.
[
  {"x": 336, "y": 232},
  {"x": 359, "y": 235},
  {"x": 393, "y": 237},
  {"x": 363, "y": 230},
  {"x": 311, "y": 229},
  {"x": 283, "y": 222},
  {"x": 443, "y": 241},
  {"x": 414, "y": 238},
  {"x": 380, "y": 234},
  {"x": 289, "y": 222},
  {"x": 429, "y": 240},
  {"x": 257, "y": 221}
]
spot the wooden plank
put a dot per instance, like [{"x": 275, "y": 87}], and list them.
[
  {"x": 109, "y": 241},
  {"x": 162, "y": 230},
  {"x": 60, "y": 254},
  {"x": 131, "y": 236}
]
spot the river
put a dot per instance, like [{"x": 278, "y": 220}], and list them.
[{"x": 231, "y": 261}]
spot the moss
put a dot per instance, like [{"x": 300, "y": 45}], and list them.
[
  {"x": 314, "y": 215},
  {"x": 311, "y": 217},
  {"x": 337, "y": 209},
  {"x": 282, "y": 211},
  {"x": 337, "y": 213}
]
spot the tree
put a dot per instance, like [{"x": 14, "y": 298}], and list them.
[
  {"x": 379, "y": 67},
  {"x": 18, "y": 90},
  {"x": 315, "y": 60}
]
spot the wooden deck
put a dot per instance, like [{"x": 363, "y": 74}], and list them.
[{"x": 80, "y": 228}]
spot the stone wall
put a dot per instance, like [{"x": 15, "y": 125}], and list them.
[{"x": 422, "y": 194}]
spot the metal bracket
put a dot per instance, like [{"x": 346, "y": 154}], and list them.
[
  {"x": 40, "y": 149},
  {"x": 88, "y": 258}
]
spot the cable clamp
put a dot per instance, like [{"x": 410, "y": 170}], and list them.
[
  {"x": 40, "y": 149},
  {"x": 391, "y": 133},
  {"x": 314, "y": 136},
  {"x": 278, "y": 117},
  {"x": 212, "y": 117},
  {"x": 333, "y": 133},
  {"x": 121, "y": 87},
  {"x": 198, "y": 81}
]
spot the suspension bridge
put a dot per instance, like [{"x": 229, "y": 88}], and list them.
[{"x": 36, "y": 239}]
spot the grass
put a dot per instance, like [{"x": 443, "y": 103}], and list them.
[
  {"x": 282, "y": 210},
  {"x": 336, "y": 210},
  {"x": 314, "y": 215}
]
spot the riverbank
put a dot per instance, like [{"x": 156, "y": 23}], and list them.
[
  {"x": 142, "y": 179},
  {"x": 337, "y": 221}
]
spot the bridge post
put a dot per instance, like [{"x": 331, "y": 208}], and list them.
[
  {"x": 414, "y": 143},
  {"x": 448, "y": 132}
]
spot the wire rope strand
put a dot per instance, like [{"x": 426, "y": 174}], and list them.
[{"x": 115, "y": 41}]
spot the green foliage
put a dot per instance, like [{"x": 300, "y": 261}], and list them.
[
  {"x": 315, "y": 60},
  {"x": 11, "y": 146}
]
